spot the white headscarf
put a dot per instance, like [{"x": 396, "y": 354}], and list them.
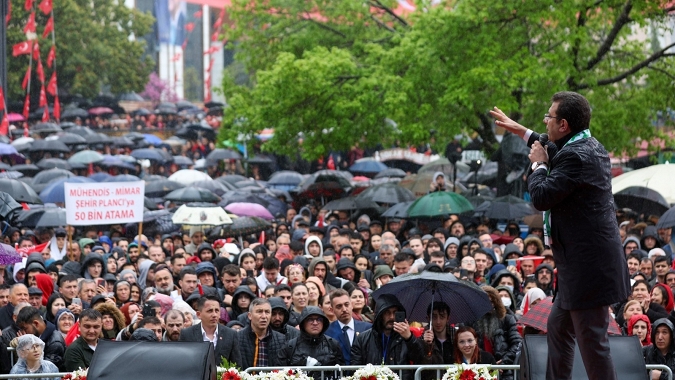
[
  {"x": 532, "y": 295},
  {"x": 54, "y": 251}
]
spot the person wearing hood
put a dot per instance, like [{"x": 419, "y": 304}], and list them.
[
  {"x": 30, "y": 321},
  {"x": 650, "y": 239},
  {"x": 319, "y": 268},
  {"x": 533, "y": 246},
  {"x": 347, "y": 270},
  {"x": 93, "y": 266},
  {"x": 206, "y": 273},
  {"x": 451, "y": 249},
  {"x": 30, "y": 350},
  {"x": 509, "y": 280},
  {"x": 113, "y": 320},
  {"x": 34, "y": 265},
  {"x": 437, "y": 183},
  {"x": 508, "y": 299},
  {"x": 313, "y": 347},
  {"x": 388, "y": 342},
  {"x": 313, "y": 247},
  {"x": 57, "y": 244},
  {"x": 498, "y": 333},
  {"x": 241, "y": 300},
  {"x": 544, "y": 277},
  {"x": 205, "y": 252},
  {"x": 146, "y": 270},
  {"x": 259, "y": 342},
  {"x": 511, "y": 252},
  {"x": 662, "y": 349},
  {"x": 631, "y": 243},
  {"x": 280, "y": 317},
  {"x": 196, "y": 237},
  {"x": 86, "y": 245},
  {"x": 640, "y": 326}
]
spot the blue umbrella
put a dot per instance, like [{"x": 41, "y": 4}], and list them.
[
  {"x": 100, "y": 176},
  {"x": 6, "y": 149},
  {"x": 152, "y": 139},
  {"x": 109, "y": 160},
  {"x": 367, "y": 166},
  {"x": 152, "y": 155},
  {"x": 122, "y": 178},
  {"x": 55, "y": 192}
]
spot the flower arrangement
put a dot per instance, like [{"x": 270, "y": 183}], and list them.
[
  {"x": 371, "y": 372},
  {"x": 469, "y": 372},
  {"x": 229, "y": 371},
  {"x": 285, "y": 374},
  {"x": 80, "y": 374}
]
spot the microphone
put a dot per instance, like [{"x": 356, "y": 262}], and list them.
[{"x": 543, "y": 139}]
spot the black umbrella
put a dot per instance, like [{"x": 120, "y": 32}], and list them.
[
  {"x": 285, "y": 178},
  {"x": 49, "y": 146},
  {"x": 667, "y": 220},
  {"x": 130, "y": 96},
  {"x": 642, "y": 200},
  {"x": 391, "y": 173},
  {"x": 348, "y": 204},
  {"x": 122, "y": 178},
  {"x": 260, "y": 160},
  {"x": 85, "y": 132},
  {"x": 216, "y": 187},
  {"x": 8, "y": 206},
  {"x": 29, "y": 218},
  {"x": 51, "y": 163},
  {"x": 182, "y": 161},
  {"x": 74, "y": 113},
  {"x": 66, "y": 125},
  {"x": 72, "y": 139},
  {"x": 239, "y": 196},
  {"x": 157, "y": 155},
  {"x": 386, "y": 193},
  {"x": 141, "y": 112},
  {"x": 99, "y": 138},
  {"x": 42, "y": 179},
  {"x": 52, "y": 217},
  {"x": 184, "y": 104},
  {"x": 417, "y": 292},
  {"x": 135, "y": 136},
  {"x": 192, "y": 194},
  {"x": 122, "y": 142},
  {"x": 161, "y": 188},
  {"x": 241, "y": 226},
  {"x": 187, "y": 134},
  {"x": 506, "y": 207},
  {"x": 26, "y": 169},
  {"x": 46, "y": 127},
  {"x": 231, "y": 178},
  {"x": 20, "y": 191},
  {"x": 223, "y": 154},
  {"x": 399, "y": 210}
]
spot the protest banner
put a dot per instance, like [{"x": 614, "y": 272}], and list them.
[{"x": 90, "y": 204}]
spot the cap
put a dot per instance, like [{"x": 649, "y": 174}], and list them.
[
  {"x": 110, "y": 277},
  {"x": 60, "y": 232},
  {"x": 33, "y": 291},
  {"x": 375, "y": 222}
]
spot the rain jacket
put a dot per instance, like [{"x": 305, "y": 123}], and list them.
[
  {"x": 311, "y": 239},
  {"x": 653, "y": 355},
  {"x": 288, "y": 331}
]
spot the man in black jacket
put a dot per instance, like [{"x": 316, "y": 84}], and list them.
[
  {"x": 571, "y": 181},
  {"x": 30, "y": 321},
  {"x": 17, "y": 293},
  {"x": 258, "y": 342},
  {"x": 280, "y": 317},
  {"x": 662, "y": 349}
]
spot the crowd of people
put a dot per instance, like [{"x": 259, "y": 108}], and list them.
[{"x": 300, "y": 294}]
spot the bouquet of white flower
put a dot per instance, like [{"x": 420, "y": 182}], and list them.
[
  {"x": 469, "y": 372},
  {"x": 80, "y": 374},
  {"x": 371, "y": 372}
]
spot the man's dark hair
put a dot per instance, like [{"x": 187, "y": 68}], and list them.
[
  {"x": 202, "y": 301},
  {"x": 574, "y": 108},
  {"x": 92, "y": 314},
  {"x": 643, "y": 260},
  {"x": 27, "y": 315},
  {"x": 435, "y": 240},
  {"x": 149, "y": 320},
  {"x": 67, "y": 278},
  {"x": 329, "y": 252},
  {"x": 338, "y": 293},
  {"x": 4, "y": 287},
  {"x": 441, "y": 230},
  {"x": 437, "y": 254},
  {"x": 175, "y": 257},
  {"x": 186, "y": 271},
  {"x": 440, "y": 306},
  {"x": 401, "y": 257},
  {"x": 634, "y": 255},
  {"x": 270, "y": 263},
  {"x": 355, "y": 236},
  {"x": 231, "y": 270},
  {"x": 345, "y": 232},
  {"x": 22, "y": 239},
  {"x": 658, "y": 259},
  {"x": 281, "y": 287}
]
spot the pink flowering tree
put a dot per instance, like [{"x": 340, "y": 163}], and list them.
[{"x": 158, "y": 90}]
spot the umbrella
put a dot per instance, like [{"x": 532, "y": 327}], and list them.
[
  {"x": 100, "y": 111},
  {"x": 141, "y": 112},
  {"x": 249, "y": 209},
  {"x": 239, "y": 196},
  {"x": 4, "y": 166},
  {"x": 152, "y": 139},
  {"x": 201, "y": 214},
  {"x": 51, "y": 163},
  {"x": 85, "y": 157},
  {"x": 537, "y": 317},
  {"x": 285, "y": 180},
  {"x": 8, "y": 205},
  {"x": 27, "y": 169},
  {"x": 152, "y": 154},
  {"x": 417, "y": 291},
  {"x": 506, "y": 207},
  {"x": 9, "y": 255},
  {"x": 161, "y": 188},
  {"x": 72, "y": 139},
  {"x": 100, "y": 177},
  {"x": 655, "y": 177},
  {"x": 391, "y": 173},
  {"x": 130, "y": 96},
  {"x": 367, "y": 166},
  {"x": 55, "y": 191},
  {"x": 216, "y": 187},
  {"x": 399, "y": 210},
  {"x": 85, "y": 132},
  {"x": 7, "y": 149},
  {"x": 122, "y": 142},
  {"x": 52, "y": 217},
  {"x": 386, "y": 193},
  {"x": 187, "y": 134},
  {"x": 439, "y": 203},
  {"x": 324, "y": 191},
  {"x": 667, "y": 220},
  {"x": 232, "y": 178},
  {"x": 347, "y": 204},
  {"x": 73, "y": 113},
  {"x": 275, "y": 206},
  {"x": 418, "y": 184},
  {"x": 259, "y": 159},
  {"x": 122, "y": 178},
  {"x": 46, "y": 127},
  {"x": 15, "y": 117},
  {"x": 641, "y": 199},
  {"x": 44, "y": 177},
  {"x": 245, "y": 225},
  {"x": 189, "y": 176},
  {"x": 223, "y": 154},
  {"x": 444, "y": 166},
  {"x": 182, "y": 161},
  {"x": 18, "y": 190},
  {"x": 477, "y": 200},
  {"x": 99, "y": 138},
  {"x": 192, "y": 194},
  {"x": 116, "y": 161},
  {"x": 49, "y": 146},
  {"x": 11, "y": 174}
]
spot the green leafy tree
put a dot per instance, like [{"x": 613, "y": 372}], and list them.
[
  {"x": 95, "y": 46},
  {"x": 334, "y": 72}
]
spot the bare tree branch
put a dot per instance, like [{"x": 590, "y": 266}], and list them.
[
  {"x": 382, "y": 24},
  {"x": 664, "y": 72},
  {"x": 326, "y": 27},
  {"x": 378, "y": 4},
  {"x": 603, "y": 82},
  {"x": 620, "y": 22}
]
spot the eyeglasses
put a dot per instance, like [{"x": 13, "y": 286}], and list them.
[
  {"x": 35, "y": 347},
  {"x": 315, "y": 320},
  {"x": 547, "y": 117}
]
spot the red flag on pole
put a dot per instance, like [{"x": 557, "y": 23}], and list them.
[
  {"x": 48, "y": 28},
  {"x": 30, "y": 24},
  {"x": 46, "y": 6},
  {"x": 9, "y": 12},
  {"x": 26, "y": 107},
  {"x": 51, "y": 87},
  {"x": 51, "y": 56},
  {"x": 26, "y": 78},
  {"x": 4, "y": 126},
  {"x": 40, "y": 71},
  {"x": 28, "y": 5},
  {"x": 21, "y": 48},
  {"x": 43, "y": 97},
  {"x": 214, "y": 36},
  {"x": 190, "y": 26},
  {"x": 2, "y": 100},
  {"x": 45, "y": 115},
  {"x": 197, "y": 14},
  {"x": 36, "y": 51},
  {"x": 57, "y": 108}
]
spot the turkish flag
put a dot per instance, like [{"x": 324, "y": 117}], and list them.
[
  {"x": 26, "y": 78},
  {"x": 40, "y": 72},
  {"x": 30, "y": 24},
  {"x": 46, "y": 6},
  {"x": 190, "y": 26},
  {"x": 176, "y": 57},
  {"x": 214, "y": 36},
  {"x": 57, "y": 108},
  {"x": 2, "y": 100},
  {"x": 45, "y": 115},
  {"x": 26, "y": 107},
  {"x": 197, "y": 14},
  {"x": 43, "y": 97},
  {"x": 20, "y": 49},
  {"x": 51, "y": 57},
  {"x": 4, "y": 126},
  {"x": 213, "y": 60},
  {"x": 51, "y": 87},
  {"x": 28, "y": 5},
  {"x": 219, "y": 23},
  {"x": 36, "y": 51},
  {"x": 49, "y": 27},
  {"x": 184, "y": 45},
  {"x": 9, "y": 12}
]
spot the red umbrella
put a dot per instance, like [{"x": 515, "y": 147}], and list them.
[
  {"x": 537, "y": 317},
  {"x": 100, "y": 111}
]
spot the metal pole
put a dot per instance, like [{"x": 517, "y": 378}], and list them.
[{"x": 3, "y": 46}]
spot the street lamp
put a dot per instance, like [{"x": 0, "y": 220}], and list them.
[{"x": 475, "y": 166}]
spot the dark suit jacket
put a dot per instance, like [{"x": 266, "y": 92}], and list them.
[
  {"x": 227, "y": 346},
  {"x": 590, "y": 262},
  {"x": 334, "y": 331}
]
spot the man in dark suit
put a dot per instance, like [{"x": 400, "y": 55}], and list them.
[
  {"x": 223, "y": 338},
  {"x": 571, "y": 180},
  {"x": 345, "y": 329}
]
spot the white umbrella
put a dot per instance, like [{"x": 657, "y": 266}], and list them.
[
  {"x": 189, "y": 176},
  {"x": 200, "y": 215},
  {"x": 23, "y": 140},
  {"x": 656, "y": 177}
]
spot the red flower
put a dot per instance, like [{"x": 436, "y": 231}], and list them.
[
  {"x": 290, "y": 372},
  {"x": 372, "y": 377},
  {"x": 467, "y": 375}
]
